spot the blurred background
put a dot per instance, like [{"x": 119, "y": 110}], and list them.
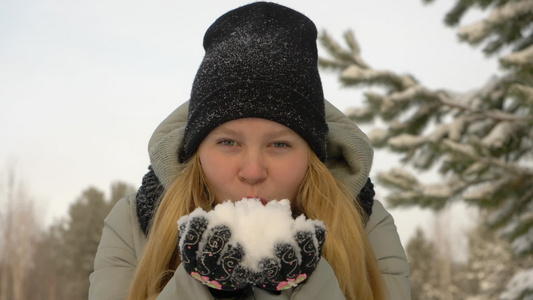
[{"x": 444, "y": 91}]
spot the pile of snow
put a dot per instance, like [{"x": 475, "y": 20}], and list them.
[{"x": 257, "y": 227}]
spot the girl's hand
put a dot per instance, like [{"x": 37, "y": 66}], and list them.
[
  {"x": 235, "y": 249},
  {"x": 287, "y": 270},
  {"x": 207, "y": 256}
]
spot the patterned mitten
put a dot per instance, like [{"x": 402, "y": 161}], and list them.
[{"x": 206, "y": 254}]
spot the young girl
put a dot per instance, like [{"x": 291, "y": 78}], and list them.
[{"x": 256, "y": 126}]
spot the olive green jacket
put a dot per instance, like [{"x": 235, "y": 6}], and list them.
[{"x": 349, "y": 159}]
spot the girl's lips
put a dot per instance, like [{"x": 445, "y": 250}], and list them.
[{"x": 263, "y": 200}]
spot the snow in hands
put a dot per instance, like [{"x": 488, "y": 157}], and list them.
[{"x": 250, "y": 242}]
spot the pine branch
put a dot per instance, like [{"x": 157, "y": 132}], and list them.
[
  {"x": 522, "y": 91},
  {"x": 354, "y": 74},
  {"x": 334, "y": 49},
  {"x": 349, "y": 37},
  {"x": 504, "y": 23},
  {"x": 522, "y": 57},
  {"x": 496, "y": 115},
  {"x": 480, "y": 142},
  {"x": 471, "y": 153}
]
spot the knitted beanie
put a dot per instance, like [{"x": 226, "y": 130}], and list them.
[{"x": 260, "y": 62}]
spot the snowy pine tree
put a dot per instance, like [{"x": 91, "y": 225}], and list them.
[
  {"x": 423, "y": 255},
  {"x": 481, "y": 142},
  {"x": 490, "y": 263},
  {"x": 70, "y": 245},
  {"x": 433, "y": 273}
]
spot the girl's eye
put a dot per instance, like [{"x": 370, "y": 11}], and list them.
[
  {"x": 280, "y": 145},
  {"x": 227, "y": 142}
]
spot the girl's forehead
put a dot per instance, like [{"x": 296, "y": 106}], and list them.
[
  {"x": 256, "y": 128},
  {"x": 253, "y": 123}
]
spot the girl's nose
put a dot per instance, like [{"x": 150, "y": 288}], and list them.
[{"x": 253, "y": 168}]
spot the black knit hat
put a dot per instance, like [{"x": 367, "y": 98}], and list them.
[{"x": 260, "y": 62}]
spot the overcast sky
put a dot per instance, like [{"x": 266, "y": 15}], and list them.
[{"x": 83, "y": 84}]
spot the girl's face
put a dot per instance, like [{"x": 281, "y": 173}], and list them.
[{"x": 253, "y": 158}]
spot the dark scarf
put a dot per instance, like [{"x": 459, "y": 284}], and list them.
[{"x": 151, "y": 190}]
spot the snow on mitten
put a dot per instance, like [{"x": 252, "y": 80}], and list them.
[
  {"x": 293, "y": 265},
  {"x": 281, "y": 252},
  {"x": 248, "y": 243}
]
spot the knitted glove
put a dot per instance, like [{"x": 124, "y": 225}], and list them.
[
  {"x": 206, "y": 254},
  {"x": 292, "y": 265},
  {"x": 215, "y": 256}
]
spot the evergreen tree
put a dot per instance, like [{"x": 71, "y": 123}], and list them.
[
  {"x": 423, "y": 255},
  {"x": 46, "y": 273},
  {"x": 483, "y": 276},
  {"x": 118, "y": 191},
  {"x": 80, "y": 239},
  {"x": 481, "y": 142},
  {"x": 67, "y": 251},
  {"x": 434, "y": 273},
  {"x": 490, "y": 263}
]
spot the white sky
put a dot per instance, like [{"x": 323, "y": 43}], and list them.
[{"x": 83, "y": 84}]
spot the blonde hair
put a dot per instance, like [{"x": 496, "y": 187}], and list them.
[
  {"x": 320, "y": 196},
  {"x": 347, "y": 248}
]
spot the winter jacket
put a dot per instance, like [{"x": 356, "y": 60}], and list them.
[{"x": 349, "y": 159}]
